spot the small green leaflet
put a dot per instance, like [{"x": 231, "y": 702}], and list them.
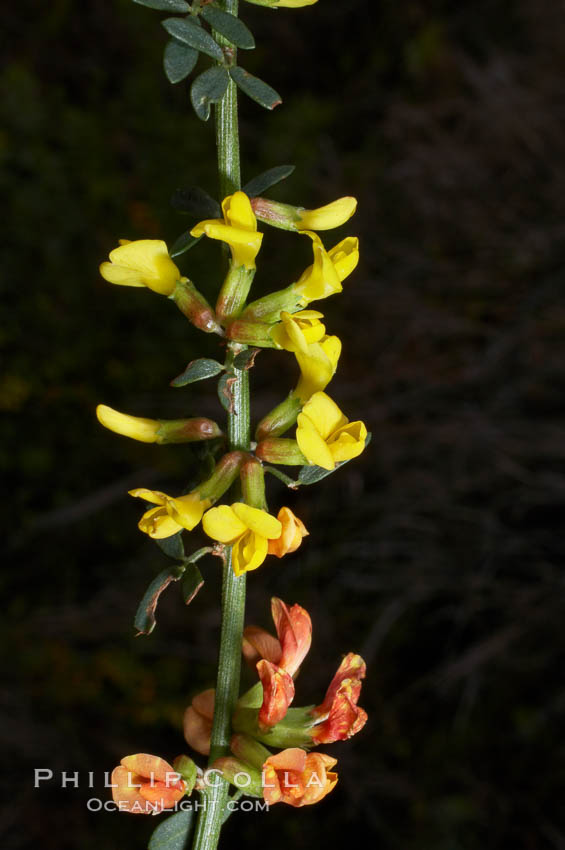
[
  {"x": 198, "y": 370},
  {"x": 185, "y": 30},
  {"x": 172, "y": 546},
  {"x": 267, "y": 179},
  {"x": 178, "y": 60},
  {"x": 255, "y": 88},
  {"x": 191, "y": 583},
  {"x": 229, "y": 26},
  {"x": 197, "y": 202},
  {"x": 165, "y": 5},
  {"x": 144, "y": 620},
  {"x": 245, "y": 360},
  {"x": 184, "y": 243},
  {"x": 173, "y": 833},
  {"x": 208, "y": 88}
]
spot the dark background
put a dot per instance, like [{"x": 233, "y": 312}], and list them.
[{"x": 439, "y": 553}]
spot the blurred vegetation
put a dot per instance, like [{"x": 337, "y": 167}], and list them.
[{"x": 438, "y": 554}]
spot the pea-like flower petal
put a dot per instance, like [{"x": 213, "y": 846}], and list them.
[
  {"x": 144, "y": 262},
  {"x": 325, "y": 436},
  {"x": 238, "y": 229}
]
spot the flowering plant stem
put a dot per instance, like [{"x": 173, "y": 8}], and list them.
[{"x": 211, "y": 816}]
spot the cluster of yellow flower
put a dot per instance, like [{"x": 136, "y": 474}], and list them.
[{"x": 324, "y": 436}]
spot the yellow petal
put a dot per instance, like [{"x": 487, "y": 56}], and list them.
[
  {"x": 238, "y": 212},
  {"x": 345, "y": 256},
  {"x": 120, "y": 275},
  {"x": 136, "y": 427},
  {"x": 311, "y": 444},
  {"x": 295, "y": 4},
  {"x": 348, "y": 442},
  {"x": 324, "y": 413},
  {"x": 158, "y": 524},
  {"x": 150, "y": 259},
  {"x": 316, "y": 371},
  {"x": 244, "y": 244},
  {"x": 320, "y": 279},
  {"x": 153, "y": 496},
  {"x": 222, "y": 524},
  {"x": 332, "y": 348},
  {"x": 187, "y": 510},
  {"x": 249, "y": 552},
  {"x": 257, "y": 520},
  {"x": 329, "y": 216}
]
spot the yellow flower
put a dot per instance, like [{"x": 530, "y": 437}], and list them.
[
  {"x": 317, "y": 366},
  {"x": 238, "y": 228},
  {"x": 297, "y": 331},
  {"x": 328, "y": 217},
  {"x": 329, "y": 269},
  {"x": 248, "y": 530},
  {"x": 171, "y": 514},
  {"x": 145, "y": 262},
  {"x": 325, "y": 436},
  {"x": 317, "y": 354}
]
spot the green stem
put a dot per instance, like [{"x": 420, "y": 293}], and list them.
[{"x": 211, "y": 816}]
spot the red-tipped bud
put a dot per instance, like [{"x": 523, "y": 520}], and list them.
[
  {"x": 280, "y": 450},
  {"x": 194, "y": 306}
]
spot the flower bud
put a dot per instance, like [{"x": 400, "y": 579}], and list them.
[
  {"x": 194, "y": 306},
  {"x": 280, "y": 450}
]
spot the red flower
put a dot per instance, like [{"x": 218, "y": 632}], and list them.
[
  {"x": 341, "y": 716},
  {"x": 279, "y": 659},
  {"x": 298, "y": 778},
  {"x": 144, "y": 784}
]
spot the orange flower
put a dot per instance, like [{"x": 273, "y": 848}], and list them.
[
  {"x": 341, "y": 716},
  {"x": 197, "y": 721},
  {"x": 144, "y": 784},
  {"x": 293, "y": 530},
  {"x": 279, "y": 659},
  {"x": 298, "y": 778}
]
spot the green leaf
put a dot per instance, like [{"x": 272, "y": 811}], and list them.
[
  {"x": 184, "y": 243},
  {"x": 172, "y": 546},
  {"x": 173, "y": 833},
  {"x": 245, "y": 360},
  {"x": 165, "y": 5},
  {"x": 225, "y": 391},
  {"x": 191, "y": 583},
  {"x": 313, "y": 474},
  {"x": 267, "y": 179},
  {"x": 178, "y": 60},
  {"x": 255, "y": 88},
  {"x": 198, "y": 370},
  {"x": 197, "y": 202},
  {"x": 208, "y": 88},
  {"x": 187, "y": 31},
  {"x": 144, "y": 620},
  {"x": 229, "y": 26}
]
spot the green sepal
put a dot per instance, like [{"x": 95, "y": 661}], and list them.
[
  {"x": 191, "y": 583},
  {"x": 165, "y": 5},
  {"x": 178, "y": 60},
  {"x": 196, "y": 202},
  {"x": 185, "y": 766},
  {"x": 173, "y": 833},
  {"x": 172, "y": 546},
  {"x": 255, "y": 88},
  {"x": 229, "y": 26},
  {"x": 266, "y": 179},
  {"x": 197, "y": 370},
  {"x": 184, "y": 243},
  {"x": 293, "y": 731},
  {"x": 189, "y": 32},
  {"x": 208, "y": 88},
  {"x": 313, "y": 474},
  {"x": 144, "y": 620}
]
